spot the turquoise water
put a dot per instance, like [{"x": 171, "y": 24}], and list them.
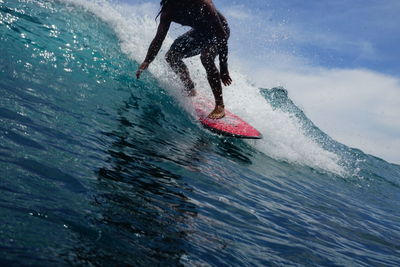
[{"x": 98, "y": 168}]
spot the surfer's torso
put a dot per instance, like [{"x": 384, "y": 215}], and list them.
[
  {"x": 209, "y": 37},
  {"x": 193, "y": 14}
]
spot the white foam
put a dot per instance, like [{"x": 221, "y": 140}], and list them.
[{"x": 283, "y": 139}]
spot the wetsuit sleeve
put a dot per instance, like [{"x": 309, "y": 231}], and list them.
[{"x": 156, "y": 44}]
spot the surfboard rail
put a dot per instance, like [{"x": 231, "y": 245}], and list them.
[{"x": 231, "y": 125}]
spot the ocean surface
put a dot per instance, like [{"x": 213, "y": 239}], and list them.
[{"x": 98, "y": 168}]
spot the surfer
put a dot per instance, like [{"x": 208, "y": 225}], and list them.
[{"x": 208, "y": 37}]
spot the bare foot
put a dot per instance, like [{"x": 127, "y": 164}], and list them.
[{"x": 217, "y": 113}]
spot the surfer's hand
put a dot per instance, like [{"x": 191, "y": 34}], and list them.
[
  {"x": 141, "y": 68},
  {"x": 225, "y": 77}
]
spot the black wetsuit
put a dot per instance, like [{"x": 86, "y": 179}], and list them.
[{"x": 195, "y": 40}]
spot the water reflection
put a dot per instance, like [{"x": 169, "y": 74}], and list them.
[
  {"x": 143, "y": 203},
  {"x": 145, "y": 215}
]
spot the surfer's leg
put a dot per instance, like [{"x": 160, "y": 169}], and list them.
[
  {"x": 207, "y": 59},
  {"x": 187, "y": 45},
  {"x": 174, "y": 59}
]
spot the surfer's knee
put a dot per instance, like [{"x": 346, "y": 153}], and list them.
[
  {"x": 211, "y": 69},
  {"x": 169, "y": 57},
  {"x": 209, "y": 65},
  {"x": 172, "y": 57},
  {"x": 206, "y": 59}
]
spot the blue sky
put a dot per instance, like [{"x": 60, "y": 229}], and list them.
[
  {"x": 340, "y": 33},
  {"x": 339, "y": 61}
]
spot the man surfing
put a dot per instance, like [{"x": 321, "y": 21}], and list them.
[{"x": 208, "y": 37}]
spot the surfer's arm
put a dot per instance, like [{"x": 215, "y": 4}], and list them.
[{"x": 156, "y": 44}]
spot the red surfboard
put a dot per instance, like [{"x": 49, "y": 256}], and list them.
[{"x": 230, "y": 125}]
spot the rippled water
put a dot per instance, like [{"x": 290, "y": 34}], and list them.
[{"x": 98, "y": 168}]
